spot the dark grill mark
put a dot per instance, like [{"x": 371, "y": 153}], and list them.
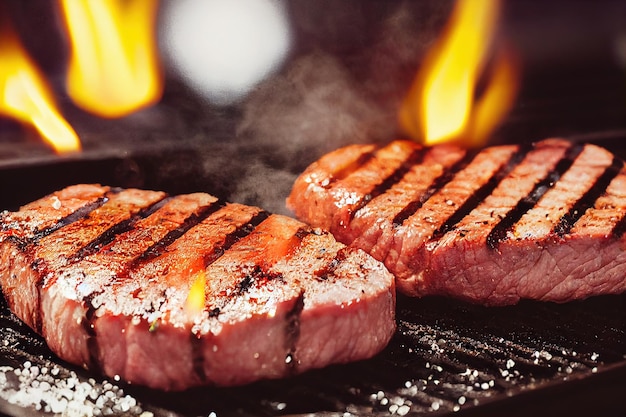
[
  {"x": 37, "y": 320},
  {"x": 246, "y": 283},
  {"x": 88, "y": 324},
  {"x": 500, "y": 231},
  {"x": 588, "y": 199},
  {"x": 437, "y": 184},
  {"x": 38, "y": 264},
  {"x": 233, "y": 237},
  {"x": 416, "y": 157},
  {"x": 620, "y": 227},
  {"x": 302, "y": 232},
  {"x": 159, "y": 247},
  {"x": 197, "y": 355},
  {"x": 109, "y": 235},
  {"x": 328, "y": 270},
  {"x": 341, "y": 174},
  {"x": 292, "y": 333},
  {"x": 257, "y": 277},
  {"x": 79, "y": 214},
  {"x": 481, "y": 193}
]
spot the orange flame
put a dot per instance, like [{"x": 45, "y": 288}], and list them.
[
  {"x": 442, "y": 104},
  {"x": 197, "y": 295},
  {"x": 26, "y": 96},
  {"x": 113, "y": 68}
]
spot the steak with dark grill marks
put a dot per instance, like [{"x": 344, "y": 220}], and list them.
[
  {"x": 540, "y": 221},
  {"x": 105, "y": 276}
]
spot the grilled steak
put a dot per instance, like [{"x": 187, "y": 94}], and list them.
[
  {"x": 105, "y": 275},
  {"x": 542, "y": 221}
]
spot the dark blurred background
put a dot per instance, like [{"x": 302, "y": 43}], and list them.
[{"x": 339, "y": 79}]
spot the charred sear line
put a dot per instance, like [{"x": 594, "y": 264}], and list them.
[
  {"x": 256, "y": 278},
  {"x": 38, "y": 320},
  {"x": 109, "y": 235},
  {"x": 21, "y": 244},
  {"x": 620, "y": 227},
  {"x": 234, "y": 237},
  {"x": 246, "y": 283},
  {"x": 197, "y": 356},
  {"x": 292, "y": 332},
  {"x": 159, "y": 247},
  {"x": 565, "y": 224},
  {"x": 302, "y": 232},
  {"x": 481, "y": 193},
  {"x": 349, "y": 169},
  {"x": 500, "y": 231},
  {"x": 88, "y": 324},
  {"x": 416, "y": 157},
  {"x": 79, "y": 214},
  {"x": 328, "y": 270},
  {"x": 437, "y": 184}
]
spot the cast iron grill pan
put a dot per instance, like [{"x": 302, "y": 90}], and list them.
[{"x": 447, "y": 357}]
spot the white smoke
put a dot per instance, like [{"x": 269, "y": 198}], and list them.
[{"x": 320, "y": 100}]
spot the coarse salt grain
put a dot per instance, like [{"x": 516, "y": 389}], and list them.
[
  {"x": 56, "y": 203},
  {"x": 403, "y": 410},
  {"x": 36, "y": 388}
]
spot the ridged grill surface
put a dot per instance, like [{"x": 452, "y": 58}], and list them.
[{"x": 446, "y": 357}]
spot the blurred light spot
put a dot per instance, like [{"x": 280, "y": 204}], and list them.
[{"x": 223, "y": 48}]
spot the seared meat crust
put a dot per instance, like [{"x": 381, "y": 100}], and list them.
[
  {"x": 105, "y": 274},
  {"x": 542, "y": 221}
]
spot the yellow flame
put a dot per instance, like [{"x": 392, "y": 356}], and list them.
[
  {"x": 113, "y": 69},
  {"x": 442, "y": 104},
  {"x": 26, "y": 96},
  {"x": 197, "y": 295}
]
